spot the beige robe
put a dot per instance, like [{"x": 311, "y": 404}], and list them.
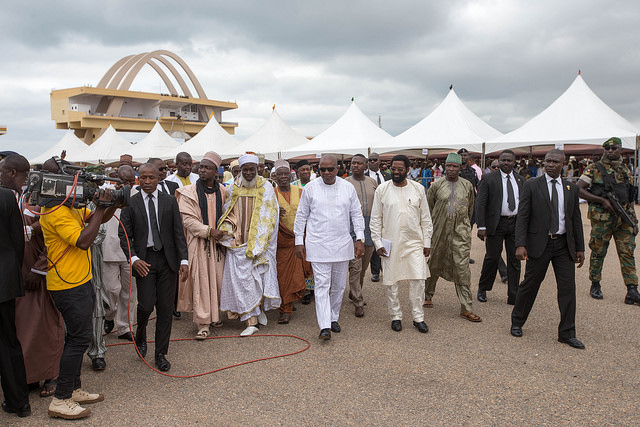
[{"x": 200, "y": 292}]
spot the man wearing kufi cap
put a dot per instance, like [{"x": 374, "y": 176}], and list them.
[
  {"x": 451, "y": 205},
  {"x": 250, "y": 218},
  {"x": 201, "y": 207},
  {"x": 235, "y": 171},
  {"x": 291, "y": 269},
  {"x": 611, "y": 174}
]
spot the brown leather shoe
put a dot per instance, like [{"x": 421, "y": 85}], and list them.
[
  {"x": 284, "y": 318},
  {"x": 359, "y": 311}
]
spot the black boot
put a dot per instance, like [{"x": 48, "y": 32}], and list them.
[
  {"x": 633, "y": 297},
  {"x": 596, "y": 290}
]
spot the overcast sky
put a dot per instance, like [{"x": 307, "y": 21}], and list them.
[{"x": 507, "y": 59}]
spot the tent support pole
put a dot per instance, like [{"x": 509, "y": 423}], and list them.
[
  {"x": 483, "y": 156},
  {"x": 635, "y": 161}
]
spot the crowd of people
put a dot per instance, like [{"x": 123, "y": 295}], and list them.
[{"x": 235, "y": 242}]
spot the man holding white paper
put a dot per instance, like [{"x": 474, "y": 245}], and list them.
[{"x": 401, "y": 215}]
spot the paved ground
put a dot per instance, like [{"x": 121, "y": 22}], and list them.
[{"x": 460, "y": 373}]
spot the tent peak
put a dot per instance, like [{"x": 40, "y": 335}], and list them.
[{"x": 451, "y": 87}]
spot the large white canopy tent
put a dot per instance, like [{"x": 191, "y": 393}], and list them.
[
  {"x": 353, "y": 133},
  {"x": 211, "y": 138},
  {"x": 157, "y": 143},
  {"x": 69, "y": 143},
  {"x": 577, "y": 117},
  {"x": 450, "y": 126},
  {"x": 106, "y": 149},
  {"x": 273, "y": 137}
]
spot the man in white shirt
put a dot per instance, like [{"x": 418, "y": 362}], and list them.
[{"x": 327, "y": 208}]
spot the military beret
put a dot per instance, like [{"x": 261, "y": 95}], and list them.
[{"x": 612, "y": 141}]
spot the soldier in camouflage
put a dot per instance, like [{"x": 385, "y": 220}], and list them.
[{"x": 605, "y": 223}]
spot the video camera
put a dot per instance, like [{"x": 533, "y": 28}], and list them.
[{"x": 50, "y": 190}]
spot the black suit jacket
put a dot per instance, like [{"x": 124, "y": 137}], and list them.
[
  {"x": 11, "y": 247},
  {"x": 135, "y": 221},
  {"x": 489, "y": 200},
  {"x": 534, "y": 217},
  {"x": 172, "y": 186}
]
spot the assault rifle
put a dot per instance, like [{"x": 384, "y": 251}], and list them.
[{"x": 619, "y": 210}]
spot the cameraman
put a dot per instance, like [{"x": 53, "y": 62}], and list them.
[{"x": 68, "y": 235}]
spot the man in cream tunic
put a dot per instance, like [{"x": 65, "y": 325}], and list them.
[
  {"x": 401, "y": 215},
  {"x": 327, "y": 208}
]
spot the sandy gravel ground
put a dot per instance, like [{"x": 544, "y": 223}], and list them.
[{"x": 460, "y": 373}]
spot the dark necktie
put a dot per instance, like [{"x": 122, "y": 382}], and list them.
[
  {"x": 378, "y": 177},
  {"x": 555, "y": 221},
  {"x": 511, "y": 197},
  {"x": 163, "y": 187},
  {"x": 155, "y": 233}
]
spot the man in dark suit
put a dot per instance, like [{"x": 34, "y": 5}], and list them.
[
  {"x": 165, "y": 186},
  {"x": 374, "y": 172},
  {"x": 549, "y": 229},
  {"x": 12, "y": 371},
  {"x": 496, "y": 209},
  {"x": 156, "y": 258}
]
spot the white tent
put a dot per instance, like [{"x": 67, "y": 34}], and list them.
[
  {"x": 450, "y": 126},
  {"x": 211, "y": 138},
  {"x": 353, "y": 133},
  {"x": 69, "y": 143},
  {"x": 273, "y": 137},
  {"x": 156, "y": 144},
  {"x": 578, "y": 116},
  {"x": 106, "y": 149}
]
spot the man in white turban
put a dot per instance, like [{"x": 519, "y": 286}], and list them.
[{"x": 250, "y": 218}]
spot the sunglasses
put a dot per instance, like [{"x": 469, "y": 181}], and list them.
[
  {"x": 329, "y": 169},
  {"x": 374, "y": 160},
  {"x": 494, "y": 167},
  {"x": 611, "y": 147}
]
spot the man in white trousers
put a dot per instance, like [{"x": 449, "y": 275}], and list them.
[
  {"x": 401, "y": 216},
  {"x": 327, "y": 208}
]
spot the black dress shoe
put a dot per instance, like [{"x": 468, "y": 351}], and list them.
[
  {"x": 422, "y": 327},
  {"x": 108, "y": 326},
  {"x": 504, "y": 279},
  {"x": 335, "y": 327},
  {"x": 573, "y": 342},
  {"x": 142, "y": 348},
  {"x": 162, "y": 363},
  {"x": 472, "y": 261},
  {"x": 596, "y": 290},
  {"x": 98, "y": 364},
  {"x": 25, "y": 411},
  {"x": 306, "y": 299},
  {"x": 511, "y": 301},
  {"x": 375, "y": 277},
  {"x": 127, "y": 336},
  {"x": 516, "y": 331},
  {"x": 177, "y": 314},
  {"x": 396, "y": 325},
  {"x": 482, "y": 296},
  {"x": 325, "y": 334}
]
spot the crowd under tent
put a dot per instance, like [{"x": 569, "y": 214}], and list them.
[
  {"x": 211, "y": 138},
  {"x": 69, "y": 143},
  {"x": 353, "y": 133},
  {"x": 156, "y": 143},
  {"x": 106, "y": 149},
  {"x": 273, "y": 137}
]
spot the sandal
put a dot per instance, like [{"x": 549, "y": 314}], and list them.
[
  {"x": 202, "y": 334},
  {"x": 427, "y": 303},
  {"x": 470, "y": 316},
  {"x": 217, "y": 324},
  {"x": 48, "y": 388}
]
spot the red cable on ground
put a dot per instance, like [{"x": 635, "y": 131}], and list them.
[{"x": 192, "y": 339}]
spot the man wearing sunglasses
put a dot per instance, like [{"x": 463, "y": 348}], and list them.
[
  {"x": 374, "y": 172},
  {"x": 610, "y": 174},
  {"x": 327, "y": 209},
  {"x": 164, "y": 185}
]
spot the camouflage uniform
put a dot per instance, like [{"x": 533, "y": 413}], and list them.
[{"x": 605, "y": 224}]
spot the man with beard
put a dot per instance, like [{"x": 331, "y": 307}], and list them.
[
  {"x": 327, "y": 209},
  {"x": 250, "y": 279},
  {"x": 365, "y": 189},
  {"x": 291, "y": 269},
  {"x": 610, "y": 174},
  {"x": 549, "y": 230},
  {"x": 496, "y": 210},
  {"x": 401, "y": 216},
  {"x": 183, "y": 175},
  {"x": 451, "y": 205},
  {"x": 201, "y": 208}
]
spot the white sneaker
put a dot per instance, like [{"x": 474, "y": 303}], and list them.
[
  {"x": 67, "y": 409},
  {"x": 249, "y": 331},
  {"x": 262, "y": 318},
  {"x": 83, "y": 397}
]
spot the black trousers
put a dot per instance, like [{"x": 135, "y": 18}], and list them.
[
  {"x": 564, "y": 268},
  {"x": 376, "y": 264},
  {"x": 505, "y": 232},
  {"x": 12, "y": 372},
  {"x": 157, "y": 289},
  {"x": 76, "y": 307}
]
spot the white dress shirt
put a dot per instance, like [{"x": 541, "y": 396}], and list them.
[
  {"x": 375, "y": 175},
  {"x": 560, "y": 191},
  {"x": 505, "y": 194}
]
